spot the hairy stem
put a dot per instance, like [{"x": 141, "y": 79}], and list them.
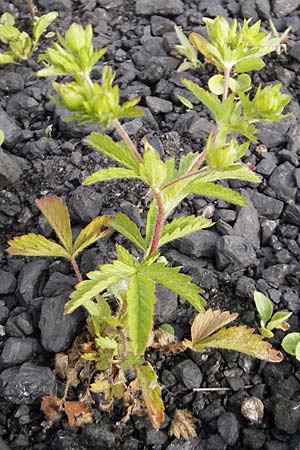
[
  {"x": 198, "y": 162},
  {"x": 127, "y": 139},
  {"x": 76, "y": 269},
  {"x": 184, "y": 177},
  {"x": 158, "y": 224},
  {"x": 227, "y": 71}
]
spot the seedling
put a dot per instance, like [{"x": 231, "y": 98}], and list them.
[
  {"x": 120, "y": 296},
  {"x": 21, "y": 45},
  {"x": 291, "y": 344},
  {"x": 268, "y": 320}
]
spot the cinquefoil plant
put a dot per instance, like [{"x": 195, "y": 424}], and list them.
[{"x": 123, "y": 330}]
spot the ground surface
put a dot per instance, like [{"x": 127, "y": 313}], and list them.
[{"x": 44, "y": 155}]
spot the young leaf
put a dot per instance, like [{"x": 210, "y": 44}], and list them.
[
  {"x": 264, "y": 306},
  {"x": 290, "y": 342},
  {"x": 182, "y": 226},
  {"x": 182, "y": 424},
  {"x": 150, "y": 225},
  {"x": 236, "y": 171},
  {"x": 216, "y": 191},
  {"x": 140, "y": 300},
  {"x": 153, "y": 171},
  {"x": 185, "y": 102},
  {"x": 209, "y": 100},
  {"x": 186, "y": 163},
  {"x": 57, "y": 214},
  {"x": 7, "y": 58},
  {"x": 268, "y": 334},
  {"x": 246, "y": 65},
  {"x": 241, "y": 339},
  {"x": 35, "y": 245},
  {"x": 176, "y": 282},
  {"x": 216, "y": 84},
  {"x": 109, "y": 174},
  {"x": 151, "y": 394},
  {"x": 42, "y": 23},
  {"x": 279, "y": 320},
  {"x": 125, "y": 226},
  {"x": 91, "y": 233},
  {"x": 208, "y": 322}
]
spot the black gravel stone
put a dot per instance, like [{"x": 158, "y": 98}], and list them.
[
  {"x": 12, "y": 133},
  {"x": 156, "y": 437},
  {"x": 168, "y": 8},
  {"x": 161, "y": 25},
  {"x": 8, "y": 283},
  {"x": 276, "y": 445},
  {"x": 85, "y": 204},
  {"x": 284, "y": 7},
  {"x": 28, "y": 384},
  {"x": 212, "y": 411},
  {"x": 11, "y": 82},
  {"x": 59, "y": 5},
  {"x": 200, "y": 243},
  {"x": 10, "y": 170},
  {"x": 159, "y": 105},
  {"x": 64, "y": 440},
  {"x": 58, "y": 284},
  {"x": 215, "y": 442},
  {"x": 166, "y": 306},
  {"x": 228, "y": 427},
  {"x": 189, "y": 374},
  {"x": 19, "y": 325},
  {"x": 18, "y": 350},
  {"x": 266, "y": 206},
  {"x": 57, "y": 328},
  {"x": 292, "y": 214},
  {"x": 247, "y": 225},
  {"x": 99, "y": 437},
  {"x": 273, "y": 134},
  {"x": 267, "y": 164},
  {"x": 253, "y": 438},
  {"x": 32, "y": 279},
  {"x": 234, "y": 249},
  {"x": 287, "y": 416},
  {"x": 283, "y": 183}
]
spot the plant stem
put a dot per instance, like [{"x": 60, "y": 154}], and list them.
[
  {"x": 31, "y": 10},
  {"x": 189, "y": 175},
  {"x": 198, "y": 162},
  {"x": 127, "y": 139},
  {"x": 227, "y": 71},
  {"x": 76, "y": 269},
  {"x": 158, "y": 225}
]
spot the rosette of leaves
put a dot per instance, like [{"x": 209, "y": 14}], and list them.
[
  {"x": 268, "y": 320},
  {"x": 21, "y": 45}
]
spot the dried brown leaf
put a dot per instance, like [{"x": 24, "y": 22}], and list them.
[
  {"x": 182, "y": 424},
  {"x": 78, "y": 413},
  {"x": 165, "y": 341},
  {"x": 50, "y": 406},
  {"x": 209, "y": 321},
  {"x": 61, "y": 365}
]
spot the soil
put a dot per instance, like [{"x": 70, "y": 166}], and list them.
[{"x": 44, "y": 155}]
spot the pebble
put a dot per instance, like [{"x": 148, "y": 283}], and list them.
[
  {"x": 252, "y": 409},
  {"x": 228, "y": 427}
]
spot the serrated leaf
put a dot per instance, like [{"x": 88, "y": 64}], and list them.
[
  {"x": 246, "y": 65},
  {"x": 140, "y": 299},
  {"x": 109, "y": 174},
  {"x": 216, "y": 84},
  {"x": 42, "y": 23},
  {"x": 176, "y": 282},
  {"x": 236, "y": 171},
  {"x": 182, "y": 424},
  {"x": 56, "y": 212},
  {"x": 153, "y": 170},
  {"x": 128, "y": 228},
  {"x": 186, "y": 163},
  {"x": 290, "y": 343},
  {"x": 106, "y": 342},
  {"x": 264, "y": 306},
  {"x": 208, "y": 322},
  {"x": 278, "y": 319},
  {"x": 241, "y": 339},
  {"x": 206, "y": 48},
  {"x": 216, "y": 191},
  {"x": 151, "y": 394},
  {"x": 183, "y": 226},
  {"x": 209, "y": 100},
  {"x": 119, "y": 152},
  {"x": 126, "y": 258},
  {"x": 35, "y": 245},
  {"x": 91, "y": 233},
  {"x": 150, "y": 225}
]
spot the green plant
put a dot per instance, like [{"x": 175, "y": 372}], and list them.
[
  {"x": 268, "y": 320},
  {"x": 21, "y": 45},
  {"x": 291, "y": 344},
  {"x": 120, "y": 296},
  {"x": 1, "y": 137}
]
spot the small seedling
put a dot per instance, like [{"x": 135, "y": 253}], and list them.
[
  {"x": 268, "y": 320},
  {"x": 21, "y": 45},
  {"x": 291, "y": 344}
]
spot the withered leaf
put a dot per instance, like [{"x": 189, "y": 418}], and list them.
[
  {"x": 78, "y": 413},
  {"x": 151, "y": 394},
  {"x": 165, "y": 341},
  {"x": 50, "y": 406},
  {"x": 209, "y": 321},
  {"x": 61, "y": 365},
  {"x": 182, "y": 424}
]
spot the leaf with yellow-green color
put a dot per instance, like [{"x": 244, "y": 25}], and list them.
[
  {"x": 208, "y": 322},
  {"x": 56, "y": 212},
  {"x": 35, "y": 245},
  {"x": 42, "y": 23},
  {"x": 216, "y": 191},
  {"x": 152, "y": 170},
  {"x": 151, "y": 394},
  {"x": 1, "y": 137},
  {"x": 211, "y": 101},
  {"x": 183, "y": 226},
  {"x": 109, "y": 174},
  {"x": 125, "y": 226},
  {"x": 91, "y": 233}
]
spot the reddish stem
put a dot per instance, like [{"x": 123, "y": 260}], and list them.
[
  {"x": 31, "y": 10},
  {"x": 128, "y": 141},
  {"x": 76, "y": 269},
  {"x": 189, "y": 175},
  {"x": 158, "y": 225},
  {"x": 198, "y": 162}
]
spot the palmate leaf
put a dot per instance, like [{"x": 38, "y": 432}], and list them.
[
  {"x": 216, "y": 191},
  {"x": 151, "y": 394},
  {"x": 125, "y": 226},
  {"x": 140, "y": 300},
  {"x": 35, "y": 245},
  {"x": 208, "y": 322},
  {"x": 91, "y": 233},
  {"x": 118, "y": 152},
  {"x": 182, "y": 226},
  {"x": 56, "y": 213},
  {"x": 176, "y": 282},
  {"x": 109, "y": 174}
]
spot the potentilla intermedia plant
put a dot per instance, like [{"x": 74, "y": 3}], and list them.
[{"x": 120, "y": 296}]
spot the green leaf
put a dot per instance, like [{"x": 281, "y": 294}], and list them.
[
  {"x": 168, "y": 328},
  {"x": 290, "y": 343},
  {"x": 236, "y": 171},
  {"x": 109, "y": 174},
  {"x": 176, "y": 282},
  {"x": 241, "y": 339},
  {"x": 185, "y": 102},
  {"x": 151, "y": 218},
  {"x": 216, "y": 191},
  {"x": 278, "y": 319},
  {"x": 186, "y": 163},
  {"x": 125, "y": 226},
  {"x": 183, "y": 226},
  {"x": 91, "y": 233},
  {"x": 246, "y": 65},
  {"x": 106, "y": 342},
  {"x": 42, "y": 23},
  {"x": 35, "y": 245},
  {"x": 125, "y": 257},
  {"x": 7, "y": 58},
  {"x": 209, "y": 100},
  {"x": 7, "y": 19},
  {"x": 297, "y": 351},
  {"x": 151, "y": 394},
  {"x": 118, "y": 152},
  {"x": 1, "y": 137},
  {"x": 140, "y": 310},
  {"x": 216, "y": 84},
  {"x": 153, "y": 171},
  {"x": 56, "y": 212},
  {"x": 264, "y": 306}
]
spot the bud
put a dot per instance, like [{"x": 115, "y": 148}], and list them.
[
  {"x": 72, "y": 95},
  {"x": 219, "y": 157},
  {"x": 269, "y": 102},
  {"x": 75, "y": 38}
]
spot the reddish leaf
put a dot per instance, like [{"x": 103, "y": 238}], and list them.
[
  {"x": 50, "y": 407},
  {"x": 78, "y": 413}
]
